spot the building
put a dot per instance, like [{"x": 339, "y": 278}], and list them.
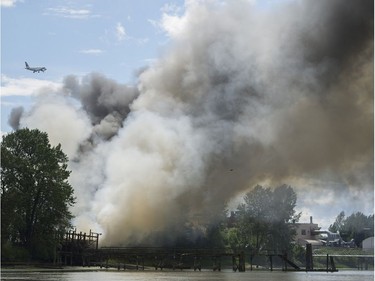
[
  {"x": 308, "y": 233},
  {"x": 368, "y": 244}
]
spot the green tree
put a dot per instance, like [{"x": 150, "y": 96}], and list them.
[
  {"x": 337, "y": 225},
  {"x": 357, "y": 226},
  {"x": 35, "y": 193},
  {"x": 254, "y": 216},
  {"x": 263, "y": 220},
  {"x": 283, "y": 205},
  {"x": 232, "y": 239}
]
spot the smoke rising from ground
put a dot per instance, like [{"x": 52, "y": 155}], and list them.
[{"x": 241, "y": 96}]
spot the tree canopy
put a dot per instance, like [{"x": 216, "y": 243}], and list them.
[
  {"x": 262, "y": 220},
  {"x": 35, "y": 193},
  {"x": 357, "y": 226}
]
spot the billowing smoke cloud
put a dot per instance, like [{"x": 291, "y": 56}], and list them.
[
  {"x": 105, "y": 101},
  {"x": 242, "y": 96}
]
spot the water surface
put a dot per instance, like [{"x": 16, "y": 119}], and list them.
[{"x": 184, "y": 276}]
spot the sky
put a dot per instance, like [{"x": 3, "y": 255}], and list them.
[
  {"x": 132, "y": 47},
  {"x": 76, "y": 37}
]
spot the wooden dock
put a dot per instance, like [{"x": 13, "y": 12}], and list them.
[{"x": 82, "y": 249}]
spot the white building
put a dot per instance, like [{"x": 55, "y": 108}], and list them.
[{"x": 368, "y": 244}]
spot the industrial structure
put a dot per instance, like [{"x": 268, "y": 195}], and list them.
[{"x": 311, "y": 233}]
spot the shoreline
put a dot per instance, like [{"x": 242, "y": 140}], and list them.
[{"x": 57, "y": 268}]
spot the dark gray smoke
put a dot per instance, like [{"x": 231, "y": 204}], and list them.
[
  {"x": 242, "y": 96},
  {"x": 105, "y": 101},
  {"x": 15, "y": 117}
]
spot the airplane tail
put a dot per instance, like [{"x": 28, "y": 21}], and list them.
[{"x": 27, "y": 65}]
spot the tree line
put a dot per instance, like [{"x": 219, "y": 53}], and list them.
[
  {"x": 36, "y": 198},
  {"x": 357, "y": 227},
  {"x": 263, "y": 221},
  {"x": 35, "y": 195}
]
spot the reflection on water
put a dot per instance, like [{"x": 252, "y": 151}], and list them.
[{"x": 185, "y": 275}]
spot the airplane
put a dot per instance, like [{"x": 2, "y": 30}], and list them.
[{"x": 35, "y": 69}]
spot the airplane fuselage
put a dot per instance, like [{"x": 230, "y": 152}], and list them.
[{"x": 35, "y": 69}]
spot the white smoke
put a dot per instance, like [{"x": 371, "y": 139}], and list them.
[
  {"x": 64, "y": 123},
  {"x": 241, "y": 96}
]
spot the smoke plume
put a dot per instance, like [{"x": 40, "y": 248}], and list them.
[{"x": 242, "y": 95}]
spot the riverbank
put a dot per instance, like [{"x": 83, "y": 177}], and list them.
[
  {"x": 97, "y": 274},
  {"x": 57, "y": 268},
  {"x": 46, "y": 268}
]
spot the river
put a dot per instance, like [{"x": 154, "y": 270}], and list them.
[{"x": 111, "y": 275}]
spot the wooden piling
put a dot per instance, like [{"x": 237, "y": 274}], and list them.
[
  {"x": 271, "y": 264},
  {"x": 309, "y": 258}
]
